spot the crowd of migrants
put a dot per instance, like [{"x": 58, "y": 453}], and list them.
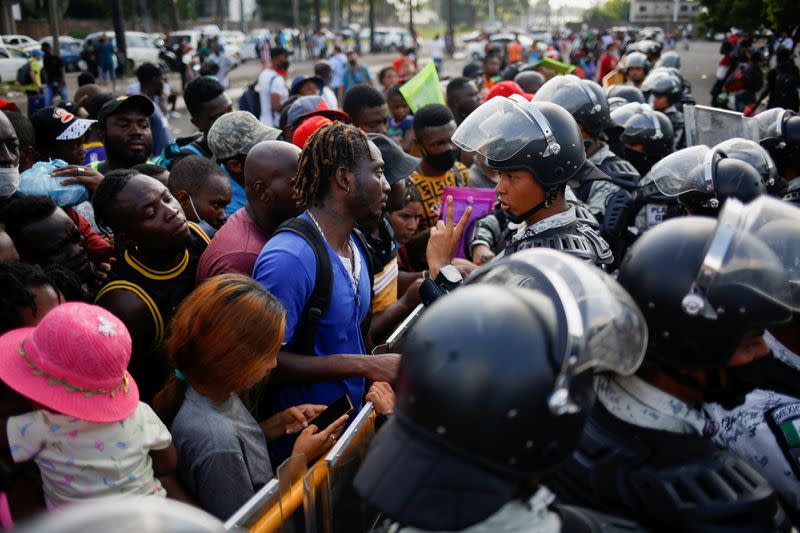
[{"x": 610, "y": 343}]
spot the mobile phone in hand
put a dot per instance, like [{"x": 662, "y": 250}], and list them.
[{"x": 342, "y": 406}]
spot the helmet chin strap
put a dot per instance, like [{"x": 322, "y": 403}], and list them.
[{"x": 549, "y": 196}]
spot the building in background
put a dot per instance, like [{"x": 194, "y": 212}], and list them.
[{"x": 665, "y": 13}]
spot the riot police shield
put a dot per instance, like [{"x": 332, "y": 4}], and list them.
[{"x": 710, "y": 126}]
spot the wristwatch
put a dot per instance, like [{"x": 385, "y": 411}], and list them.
[{"x": 449, "y": 275}]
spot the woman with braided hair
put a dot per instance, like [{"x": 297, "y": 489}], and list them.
[{"x": 339, "y": 183}]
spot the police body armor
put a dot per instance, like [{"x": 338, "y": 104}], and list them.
[
  {"x": 666, "y": 481},
  {"x": 612, "y": 169},
  {"x": 573, "y": 520},
  {"x": 575, "y": 238}
]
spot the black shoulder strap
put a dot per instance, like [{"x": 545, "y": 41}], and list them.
[
  {"x": 365, "y": 324},
  {"x": 320, "y": 297}
]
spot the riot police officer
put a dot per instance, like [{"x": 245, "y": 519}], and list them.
[
  {"x": 619, "y": 95},
  {"x": 664, "y": 88},
  {"x": 760, "y": 430},
  {"x": 779, "y": 133},
  {"x": 536, "y": 148},
  {"x": 702, "y": 179},
  {"x": 670, "y": 58},
  {"x": 586, "y": 102},
  {"x": 493, "y": 388},
  {"x": 757, "y": 157},
  {"x": 635, "y": 67},
  {"x": 646, "y": 137},
  {"x": 707, "y": 290}
]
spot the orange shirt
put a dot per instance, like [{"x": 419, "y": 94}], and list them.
[{"x": 514, "y": 52}]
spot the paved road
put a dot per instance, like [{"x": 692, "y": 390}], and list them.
[{"x": 698, "y": 64}]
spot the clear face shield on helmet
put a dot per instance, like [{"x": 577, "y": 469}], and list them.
[
  {"x": 600, "y": 326},
  {"x": 749, "y": 251},
  {"x": 500, "y": 128},
  {"x": 690, "y": 169}
]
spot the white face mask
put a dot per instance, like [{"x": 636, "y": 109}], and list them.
[{"x": 9, "y": 181}]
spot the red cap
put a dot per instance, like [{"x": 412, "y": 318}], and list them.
[
  {"x": 506, "y": 88},
  {"x": 308, "y": 128}
]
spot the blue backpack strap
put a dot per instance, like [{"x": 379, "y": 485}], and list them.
[{"x": 320, "y": 297}]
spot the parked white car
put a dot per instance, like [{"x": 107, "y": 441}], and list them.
[
  {"x": 23, "y": 42},
  {"x": 10, "y": 60},
  {"x": 142, "y": 48}
]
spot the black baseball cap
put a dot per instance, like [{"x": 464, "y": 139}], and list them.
[
  {"x": 279, "y": 51},
  {"x": 472, "y": 70},
  {"x": 53, "y": 124},
  {"x": 397, "y": 164},
  {"x": 124, "y": 103}
]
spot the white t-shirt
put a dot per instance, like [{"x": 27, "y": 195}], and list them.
[
  {"x": 437, "y": 48},
  {"x": 80, "y": 460},
  {"x": 330, "y": 98},
  {"x": 269, "y": 83}
]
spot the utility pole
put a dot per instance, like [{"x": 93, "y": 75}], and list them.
[
  {"x": 221, "y": 14},
  {"x": 242, "y": 19},
  {"x": 411, "y": 18},
  {"x": 119, "y": 32},
  {"x": 451, "y": 21},
  {"x": 371, "y": 26},
  {"x": 296, "y": 14},
  {"x": 52, "y": 13},
  {"x": 317, "y": 15}
]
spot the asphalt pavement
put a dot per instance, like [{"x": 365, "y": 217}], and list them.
[{"x": 698, "y": 65}]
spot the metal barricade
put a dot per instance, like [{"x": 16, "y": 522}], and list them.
[
  {"x": 278, "y": 507},
  {"x": 710, "y": 126},
  {"x": 331, "y": 503}
]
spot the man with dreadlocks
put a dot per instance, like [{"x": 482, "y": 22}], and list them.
[{"x": 339, "y": 183}]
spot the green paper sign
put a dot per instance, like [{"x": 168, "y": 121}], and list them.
[{"x": 423, "y": 89}]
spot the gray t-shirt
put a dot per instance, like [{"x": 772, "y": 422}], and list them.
[{"x": 222, "y": 452}]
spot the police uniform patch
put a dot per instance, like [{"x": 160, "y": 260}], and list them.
[{"x": 784, "y": 421}]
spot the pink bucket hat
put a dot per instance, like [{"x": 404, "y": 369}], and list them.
[{"x": 73, "y": 362}]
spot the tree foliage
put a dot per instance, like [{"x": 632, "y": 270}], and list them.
[
  {"x": 751, "y": 14},
  {"x": 608, "y": 14}
]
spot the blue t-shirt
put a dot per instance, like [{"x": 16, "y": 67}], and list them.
[
  {"x": 106, "y": 53},
  {"x": 287, "y": 268},
  {"x": 238, "y": 195}
]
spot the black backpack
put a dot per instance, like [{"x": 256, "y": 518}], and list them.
[
  {"x": 320, "y": 297},
  {"x": 24, "y": 74}
]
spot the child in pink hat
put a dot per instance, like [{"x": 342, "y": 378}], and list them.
[{"x": 90, "y": 435}]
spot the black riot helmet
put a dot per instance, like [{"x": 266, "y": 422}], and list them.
[
  {"x": 792, "y": 194},
  {"x": 520, "y": 366},
  {"x": 753, "y": 154},
  {"x": 702, "y": 179},
  {"x": 513, "y": 133},
  {"x": 670, "y": 58},
  {"x": 635, "y": 59},
  {"x": 643, "y": 125},
  {"x": 619, "y": 95},
  {"x": 779, "y": 133},
  {"x": 702, "y": 285},
  {"x": 652, "y": 49},
  {"x": 647, "y": 135},
  {"x": 663, "y": 82},
  {"x": 584, "y": 99}
]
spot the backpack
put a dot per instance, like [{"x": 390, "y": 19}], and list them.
[
  {"x": 24, "y": 74},
  {"x": 784, "y": 90},
  {"x": 320, "y": 298},
  {"x": 168, "y": 156},
  {"x": 251, "y": 100}
]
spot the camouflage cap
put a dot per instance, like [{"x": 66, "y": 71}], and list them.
[{"x": 236, "y": 133}]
